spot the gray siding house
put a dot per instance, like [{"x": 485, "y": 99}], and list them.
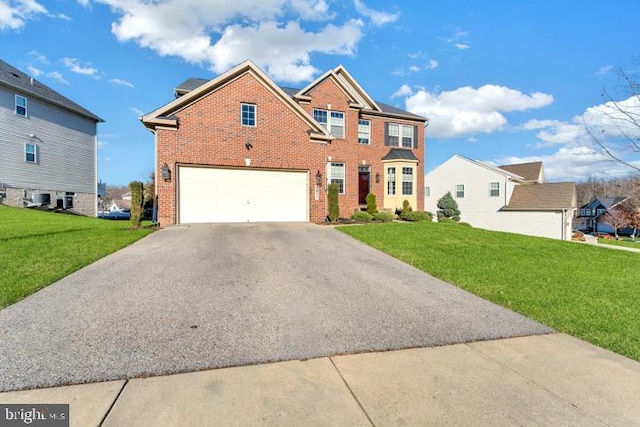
[{"x": 48, "y": 147}]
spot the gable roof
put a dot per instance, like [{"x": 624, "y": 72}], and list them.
[
  {"x": 482, "y": 164},
  {"x": 528, "y": 171},
  {"x": 606, "y": 202},
  {"x": 369, "y": 105},
  {"x": 21, "y": 82},
  {"x": 165, "y": 115},
  {"x": 552, "y": 196}
]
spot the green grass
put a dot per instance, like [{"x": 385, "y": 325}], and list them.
[
  {"x": 624, "y": 241},
  {"x": 589, "y": 292},
  {"x": 38, "y": 248}
]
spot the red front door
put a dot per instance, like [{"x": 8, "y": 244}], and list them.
[{"x": 363, "y": 186}]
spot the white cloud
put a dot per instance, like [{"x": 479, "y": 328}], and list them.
[
  {"x": 53, "y": 75},
  {"x": 121, "y": 82},
  {"x": 37, "y": 56},
  {"x": 462, "y": 46},
  {"x": 73, "y": 65},
  {"x": 432, "y": 64},
  {"x": 404, "y": 90},
  {"x": 57, "y": 76},
  {"x": 219, "y": 34},
  {"x": 377, "y": 18},
  {"x": 604, "y": 70},
  {"x": 459, "y": 39},
  {"x": 138, "y": 112},
  {"x": 13, "y": 14},
  {"x": 35, "y": 72},
  {"x": 468, "y": 111},
  {"x": 84, "y": 3},
  {"x": 472, "y": 139}
]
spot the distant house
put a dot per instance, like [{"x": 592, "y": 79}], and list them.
[
  {"x": 512, "y": 198},
  {"x": 119, "y": 205},
  {"x": 591, "y": 216},
  {"x": 48, "y": 146}
]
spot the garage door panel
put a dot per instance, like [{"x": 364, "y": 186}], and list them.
[{"x": 242, "y": 195}]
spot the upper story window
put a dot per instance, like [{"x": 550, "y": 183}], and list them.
[
  {"x": 460, "y": 191},
  {"x": 427, "y": 191},
  {"x": 21, "y": 105},
  {"x": 407, "y": 181},
  {"x": 391, "y": 181},
  {"x": 248, "y": 114},
  {"x": 397, "y": 135},
  {"x": 333, "y": 121},
  {"x": 364, "y": 131},
  {"x": 601, "y": 211},
  {"x": 336, "y": 175},
  {"x": 494, "y": 189},
  {"x": 30, "y": 153}
]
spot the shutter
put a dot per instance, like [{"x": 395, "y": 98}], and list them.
[
  {"x": 386, "y": 133},
  {"x": 415, "y": 137}
]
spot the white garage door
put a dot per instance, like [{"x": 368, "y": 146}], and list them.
[{"x": 241, "y": 195}]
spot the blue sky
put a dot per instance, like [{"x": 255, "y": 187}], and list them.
[{"x": 501, "y": 81}]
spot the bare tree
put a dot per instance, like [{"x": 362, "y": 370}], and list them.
[{"x": 617, "y": 219}]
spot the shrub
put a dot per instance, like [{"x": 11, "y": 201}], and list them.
[
  {"x": 372, "y": 207},
  {"x": 137, "y": 200},
  {"x": 362, "y": 216},
  {"x": 384, "y": 216},
  {"x": 406, "y": 208},
  {"x": 448, "y": 208},
  {"x": 334, "y": 207},
  {"x": 416, "y": 216}
]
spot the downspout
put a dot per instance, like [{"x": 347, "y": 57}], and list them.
[{"x": 95, "y": 177}]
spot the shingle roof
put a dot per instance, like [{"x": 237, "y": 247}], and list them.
[
  {"x": 529, "y": 171},
  {"x": 16, "y": 79},
  {"x": 400, "y": 154},
  {"x": 557, "y": 195},
  {"x": 193, "y": 82}
]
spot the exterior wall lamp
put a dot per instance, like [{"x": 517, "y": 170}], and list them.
[
  {"x": 377, "y": 176},
  {"x": 165, "y": 172},
  {"x": 318, "y": 178}
]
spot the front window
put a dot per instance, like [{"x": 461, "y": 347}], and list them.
[
  {"x": 399, "y": 135},
  {"x": 30, "y": 153},
  {"x": 21, "y": 105},
  {"x": 248, "y": 114},
  {"x": 333, "y": 121},
  {"x": 364, "y": 131},
  {"x": 494, "y": 189},
  {"x": 336, "y": 176},
  {"x": 407, "y": 181},
  {"x": 460, "y": 191},
  {"x": 391, "y": 181}
]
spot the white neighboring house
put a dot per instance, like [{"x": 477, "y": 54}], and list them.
[{"x": 511, "y": 198}]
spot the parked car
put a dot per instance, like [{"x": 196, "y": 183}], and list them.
[{"x": 124, "y": 215}]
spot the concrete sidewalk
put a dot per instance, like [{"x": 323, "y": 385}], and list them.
[{"x": 537, "y": 380}]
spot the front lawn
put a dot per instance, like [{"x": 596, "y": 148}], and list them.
[
  {"x": 39, "y": 248},
  {"x": 589, "y": 292}
]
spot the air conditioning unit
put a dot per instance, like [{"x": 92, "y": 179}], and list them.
[{"x": 41, "y": 198}]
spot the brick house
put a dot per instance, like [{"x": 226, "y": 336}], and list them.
[{"x": 239, "y": 148}]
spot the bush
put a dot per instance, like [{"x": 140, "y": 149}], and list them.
[
  {"x": 416, "y": 216},
  {"x": 372, "y": 207},
  {"x": 362, "y": 216},
  {"x": 137, "y": 200},
  {"x": 406, "y": 208},
  {"x": 448, "y": 208},
  {"x": 384, "y": 216},
  {"x": 334, "y": 207}
]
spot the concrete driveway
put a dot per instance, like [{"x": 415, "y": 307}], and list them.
[{"x": 189, "y": 298}]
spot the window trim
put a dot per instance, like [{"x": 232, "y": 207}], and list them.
[
  {"x": 494, "y": 192},
  {"x": 368, "y": 125},
  {"x": 17, "y": 105},
  {"x": 343, "y": 178},
  {"x": 404, "y": 181},
  {"x": 329, "y": 119},
  {"x": 242, "y": 116},
  {"x": 27, "y": 152},
  {"x": 459, "y": 191}
]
